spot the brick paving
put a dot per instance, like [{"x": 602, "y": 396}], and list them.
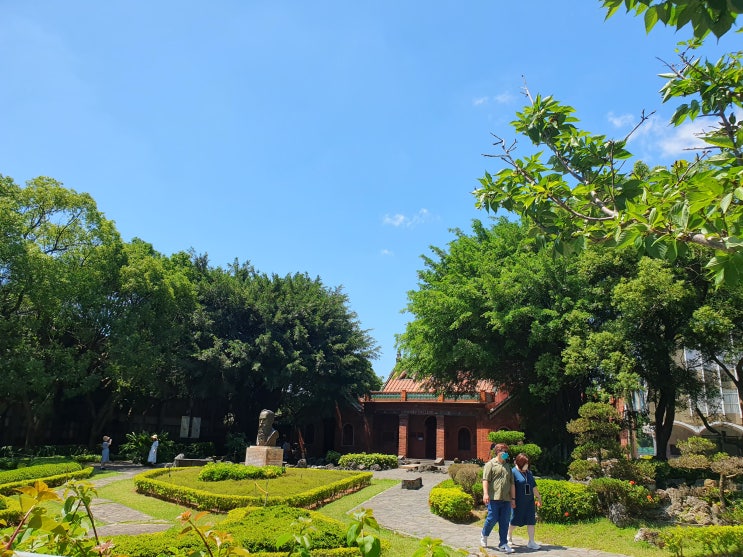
[{"x": 404, "y": 511}]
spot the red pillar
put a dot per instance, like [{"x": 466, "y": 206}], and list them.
[
  {"x": 402, "y": 436},
  {"x": 440, "y": 437}
]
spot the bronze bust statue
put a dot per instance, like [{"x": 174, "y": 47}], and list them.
[{"x": 267, "y": 435}]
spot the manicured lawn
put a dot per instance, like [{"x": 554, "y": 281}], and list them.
[{"x": 296, "y": 480}]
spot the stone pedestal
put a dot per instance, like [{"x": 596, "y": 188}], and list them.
[{"x": 262, "y": 455}]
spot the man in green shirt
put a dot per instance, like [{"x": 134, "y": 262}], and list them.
[{"x": 499, "y": 494}]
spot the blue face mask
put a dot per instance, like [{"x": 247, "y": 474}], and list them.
[{"x": 504, "y": 456}]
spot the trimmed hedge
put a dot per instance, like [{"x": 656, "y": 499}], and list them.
[
  {"x": 449, "y": 501},
  {"x": 10, "y": 510},
  {"x": 51, "y": 481},
  {"x": 716, "y": 540},
  {"x": 356, "y": 460},
  {"x": 566, "y": 502},
  {"x": 34, "y": 471},
  {"x": 220, "y": 471},
  {"x": 255, "y": 529},
  {"x": 149, "y": 484}
]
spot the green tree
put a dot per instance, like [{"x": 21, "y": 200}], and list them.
[
  {"x": 698, "y": 453},
  {"x": 56, "y": 258},
  {"x": 290, "y": 341},
  {"x": 596, "y": 432},
  {"x": 598, "y": 323},
  {"x": 581, "y": 193},
  {"x": 704, "y": 16}
]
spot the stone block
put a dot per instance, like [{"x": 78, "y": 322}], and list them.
[
  {"x": 415, "y": 483},
  {"x": 262, "y": 455}
]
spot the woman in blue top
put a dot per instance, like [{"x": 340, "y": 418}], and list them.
[
  {"x": 105, "y": 450},
  {"x": 527, "y": 496}
]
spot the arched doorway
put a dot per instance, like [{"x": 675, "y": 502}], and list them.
[{"x": 430, "y": 425}]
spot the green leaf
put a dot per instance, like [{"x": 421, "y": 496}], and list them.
[
  {"x": 725, "y": 202},
  {"x": 651, "y": 18}
]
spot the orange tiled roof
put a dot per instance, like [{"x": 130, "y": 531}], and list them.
[{"x": 402, "y": 382}]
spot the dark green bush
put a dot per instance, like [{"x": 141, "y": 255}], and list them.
[
  {"x": 201, "y": 449},
  {"x": 566, "y": 502},
  {"x": 220, "y": 471},
  {"x": 332, "y": 457}
]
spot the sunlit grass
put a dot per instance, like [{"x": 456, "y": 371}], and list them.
[
  {"x": 123, "y": 492},
  {"x": 296, "y": 480}
]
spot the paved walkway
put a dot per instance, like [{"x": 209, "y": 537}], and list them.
[
  {"x": 406, "y": 511},
  {"x": 401, "y": 510}
]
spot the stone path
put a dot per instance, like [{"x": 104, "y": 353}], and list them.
[
  {"x": 117, "y": 518},
  {"x": 406, "y": 511},
  {"x": 401, "y": 510}
]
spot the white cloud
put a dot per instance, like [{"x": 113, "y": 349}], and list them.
[
  {"x": 620, "y": 121},
  {"x": 501, "y": 98},
  {"x": 680, "y": 139},
  {"x": 398, "y": 219},
  {"x": 386, "y": 252}
]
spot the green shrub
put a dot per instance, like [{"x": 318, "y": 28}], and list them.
[
  {"x": 450, "y": 502},
  {"x": 332, "y": 457},
  {"x": 52, "y": 480},
  {"x": 355, "y": 460},
  {"x": 196, "y": 449},
  {"x": 581, "y": 470},
  {"x": 716, "y": 540},
  {"x": 154, "y": 482},
  {"x": 466, "y": 476},
  {"x": 534, "y": 452},
  {"x": 507, "y": 436},
  {"x": 633, "y": 496},
  {"x": 258, "y": 528},
  {"x": 220, "y": 471},
  {"x": 38, "y": 471},
  {"x": 566, "y": 502},
  {"x": 10, "y": 510},
  {"x": 477, "y": 493}
]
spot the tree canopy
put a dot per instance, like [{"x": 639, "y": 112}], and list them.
[
  {"x": 582, "y": 191},
  {"x": 91, "y": 323},
  {"x": 595, "y": 324}
]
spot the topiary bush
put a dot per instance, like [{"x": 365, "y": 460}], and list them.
[
  {"x": 508, "y": 437},
  {"x": 566, "y": 502},
  {"x": 358, "y": 460},
  {"x": 466, "y": 476},
  {"x": 220, "y": 471},
  {"x": 582, "y": 470},
  {"x": 633, "y": 496},
  {"x": 448, "y": 501}
]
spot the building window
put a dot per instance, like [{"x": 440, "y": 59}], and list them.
[
  {"x": 463, "y": 439},
  {"x": 347, "y": 439}
]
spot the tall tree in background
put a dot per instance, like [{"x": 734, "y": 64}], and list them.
[
  {"x": 56, "y": 258},
  {"x": 556, "y": 331},
  {"x": 581, "y": 193}
]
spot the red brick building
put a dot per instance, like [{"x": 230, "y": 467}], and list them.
[{"x": 408, "y": 418}]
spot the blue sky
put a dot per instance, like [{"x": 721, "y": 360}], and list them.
[{"x": 340, "y": 139}]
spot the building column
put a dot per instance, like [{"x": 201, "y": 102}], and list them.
[
  {"x": 440, "y": 437},
  {"x": 402, "y": 436}
]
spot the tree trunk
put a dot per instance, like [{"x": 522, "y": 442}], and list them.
[{"x": 665, "y": 413}]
